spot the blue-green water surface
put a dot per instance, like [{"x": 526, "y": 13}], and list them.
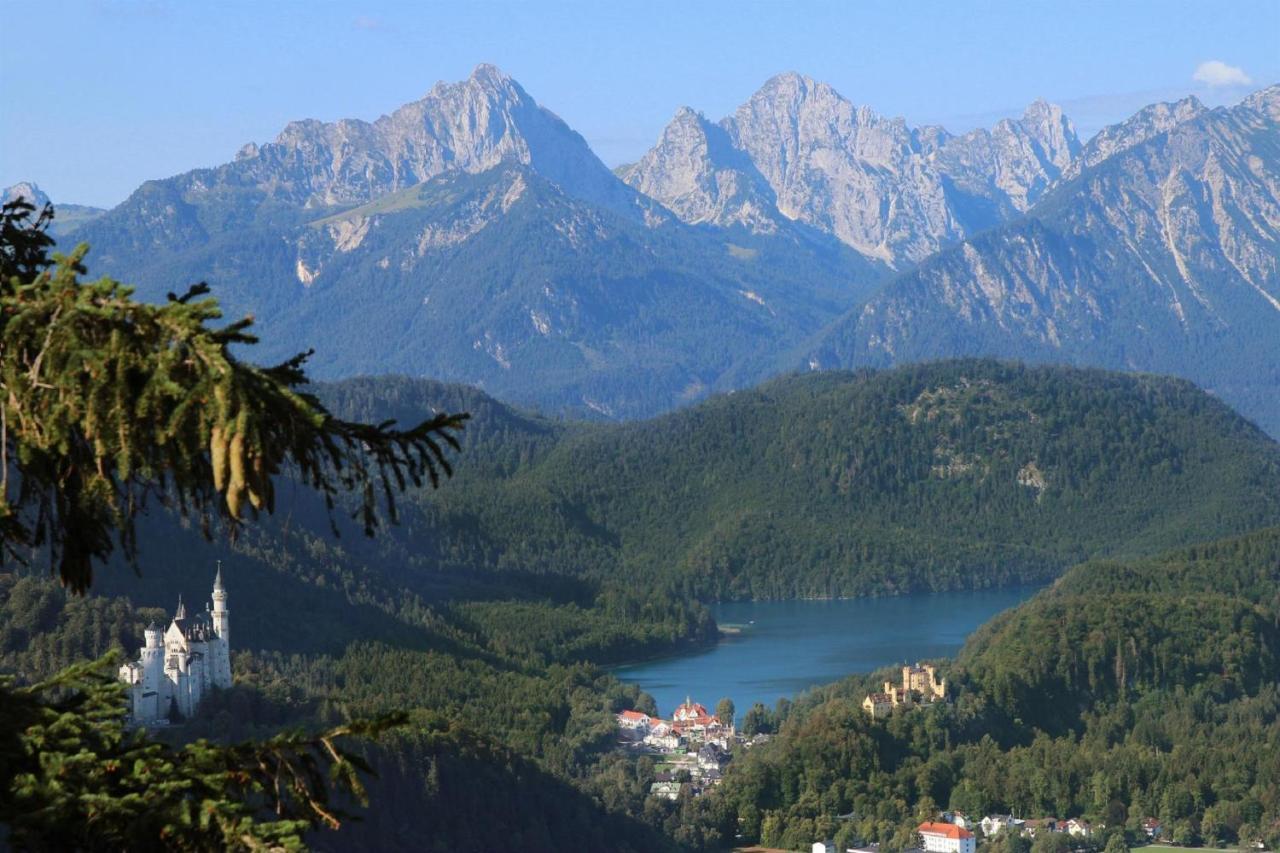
[{"x": 787, "y": 646}]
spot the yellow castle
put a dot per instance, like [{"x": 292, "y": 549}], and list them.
[{"x": 920, "y": 684}]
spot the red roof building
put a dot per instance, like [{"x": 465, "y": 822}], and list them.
[
  {"x": 633, "y": 720},
  {"x": 690, "y": 711},
  {"x": 946, "y": 838}
]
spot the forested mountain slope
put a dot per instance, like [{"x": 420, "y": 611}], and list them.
[
  {"x": 1109, "y": 629},
  {"x": 502, "y": 280},
  {"x": 947, "y": 475}
]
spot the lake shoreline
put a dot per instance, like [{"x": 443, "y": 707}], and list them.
[{"x": 766, "y": 650}]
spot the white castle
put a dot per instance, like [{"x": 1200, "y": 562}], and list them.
[{"x": 174, "y": 672}]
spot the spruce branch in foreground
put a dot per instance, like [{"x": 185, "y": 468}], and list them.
[{"x": 106, "y": 401}]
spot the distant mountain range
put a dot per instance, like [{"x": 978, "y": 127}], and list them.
[
  {"x": 474, "y": 237},
  {"x": 1160, "y": 251},
  {"x": 798, "y": 151}
]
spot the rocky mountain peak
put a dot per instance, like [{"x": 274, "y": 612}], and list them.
[
  {"x": 27, "y": 190},
  {"x": 487, "y": 74},
  {"x": 470, "y": 125},
  {"x": 1049, "y": 126},
  {"x": 488, "y": 84},
  {"x": 891, "y": 192},
  {"x": 695, "y": 171},
  {"x": 789, "y": 85},
  {"x": 1143, "y": 125},
  {"x": 1265, "y": 101}
]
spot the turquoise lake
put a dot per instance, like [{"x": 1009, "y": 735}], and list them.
[{"x": 788, "y": 646}]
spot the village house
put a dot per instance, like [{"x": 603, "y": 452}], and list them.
[
  {"x": 711, "y": 755},
  {"x": 663, "y": 735},
  {"x": 693, "y": 719},
  {"x": 995, "y": 824},
  {"x": 946, "y": 838},
  {"x": 1152, "y": 827},
  {"x": 667, "y": 790},
  {"x": 634, "y": 721},
  {"x": 1079, "y": 828},
  {"x": 960, "y": 819},
  {"x": 1040, "y": 826}
]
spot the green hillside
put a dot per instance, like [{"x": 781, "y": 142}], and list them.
[
  {"x": 941, "y": 476},
  {"x": 1208, "y": 614}
]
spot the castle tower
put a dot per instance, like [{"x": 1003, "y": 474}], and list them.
[
  {"x": 152, "y": 660},
  {"x": 221, "y": 623},
  {"x": 220, "y": 645}
]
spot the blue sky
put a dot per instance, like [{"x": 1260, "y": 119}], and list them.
[{"x": 98, "y": 95}]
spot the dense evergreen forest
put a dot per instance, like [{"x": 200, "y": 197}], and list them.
[
  {"x": 559, "y": 548},
  {"x": 950, "y": 475}
]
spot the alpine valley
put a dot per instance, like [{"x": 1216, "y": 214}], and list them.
[
  {"x": 804, "y": 351},
  {"x": 491, "y": 610},
  {"x": 473, "y": 237}
]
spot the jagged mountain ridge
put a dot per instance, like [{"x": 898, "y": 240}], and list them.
[
  {"x": 735, "y": 245},
  {"x": 469, "y": 126},
  {"x": 503, "y": 280},
  {"x": 799, "y": 151},
  {"x": 472, "y": 126},
  {"x": 1148, "y": 122},
  {"x": 1164, "y": 256},
  {"x": 473, "y": 236}
]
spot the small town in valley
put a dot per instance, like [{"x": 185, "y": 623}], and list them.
[{"x": 692, "y": 749}]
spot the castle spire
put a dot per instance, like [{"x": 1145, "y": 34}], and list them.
[
  {"x": 217, "y": 580},
  {"x": 181, "y": 612}
]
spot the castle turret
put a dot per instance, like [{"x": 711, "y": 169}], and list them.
[
  {"x": 220, "y": 647},
  {"x": 221, "y": 623}
]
